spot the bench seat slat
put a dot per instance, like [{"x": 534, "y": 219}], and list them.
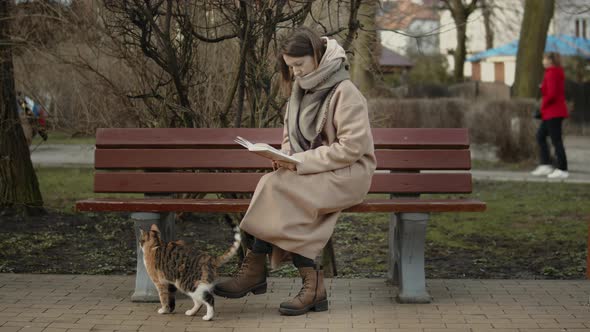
[
  {"x": 243, "y": 159},
  {"x": 241, "y": 205},
  {"x": 452, "y": 138},
  {"x": 188, "y": 182}
]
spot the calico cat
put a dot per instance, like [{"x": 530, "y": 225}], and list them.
[{"x": 174, "y": 265}]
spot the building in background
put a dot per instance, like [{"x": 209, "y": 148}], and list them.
[
  {"x": 505, "y": 20},
  {"x": 571, "y": 17},
  {"x": 399, "y": 20},
  {"x": 504, "y": 57},
  {"x": 391, "y": 62}
]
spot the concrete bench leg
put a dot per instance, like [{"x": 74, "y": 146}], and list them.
[
  {"x": 407, "y": 233},
  {"x": 145, "y": 291}
]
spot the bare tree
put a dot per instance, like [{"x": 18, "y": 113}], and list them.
[
  {"x": 533, "y": 35},
  {"x": 573, "y": 7},
  {"x": 264, "y": 17},
  {"x": 163, "y": 31},
  {"x": 175, "y": 38},
  {"x": 19, "y": 188},
  {"x": 460, "y": 11},
  {"x": 487, "y": 7},
  {"x": 364, "y": 61}
]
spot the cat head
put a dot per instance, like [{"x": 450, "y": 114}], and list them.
[{"x": 150, "y": 239}]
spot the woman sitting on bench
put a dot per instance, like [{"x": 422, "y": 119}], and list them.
[{"x": 294, "y": 209}]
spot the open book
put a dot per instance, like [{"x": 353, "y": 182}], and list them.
[{"x": 266, "y": 150}]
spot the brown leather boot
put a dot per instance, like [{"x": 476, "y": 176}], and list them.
[
  {"x": 312, "y": 295},
  {"x": 250, "y": 278}
]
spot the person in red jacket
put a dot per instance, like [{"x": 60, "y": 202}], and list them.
[{"x": 553, "y": 111}]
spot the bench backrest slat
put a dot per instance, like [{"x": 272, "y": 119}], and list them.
[
  {"x": 243, "y": 159},
  {"x": 177, "y": 138},
  {"x": 162, "y": 160},
  {"x": 188, "y": 182}
]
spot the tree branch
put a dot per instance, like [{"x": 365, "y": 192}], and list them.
[{"x": 213, "y": 40}]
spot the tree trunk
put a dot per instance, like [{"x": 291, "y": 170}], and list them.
[
  {"x": 364, "y": 62},
  {"x": 459, "y": 56},
  {"x": 531, "y": 45},
  {"x": 19, "y": 188},
  {"x": 487, "y": 8},
  {"x": 353, "y": 24},
  {"x": 460, "y": 12},
  {"x": 460, "y": 53},
  {"x": 245, "y": 38}
]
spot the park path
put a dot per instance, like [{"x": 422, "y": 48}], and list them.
[{"x": 53, "y": 303}]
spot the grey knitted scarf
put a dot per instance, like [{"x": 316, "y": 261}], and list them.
[{"x": 310, "y": 98}]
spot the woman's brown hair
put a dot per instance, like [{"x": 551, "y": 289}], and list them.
[
  {"x": 554, "y": 57},
  {"x": 301, "y": 42}
]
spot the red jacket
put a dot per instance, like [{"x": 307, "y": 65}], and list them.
[{"x": 553, "y": 91}]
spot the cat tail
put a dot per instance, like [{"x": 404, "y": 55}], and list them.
[{"x": 233, "y": 250}]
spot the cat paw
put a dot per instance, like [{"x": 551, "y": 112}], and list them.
[
  {"x": 193, "y": 311},
  {"x": 162, "y": 311},
  {"x": 208, "y": 317}
]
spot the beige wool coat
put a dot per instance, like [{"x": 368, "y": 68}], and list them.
[{"x": 296, "y": 211}]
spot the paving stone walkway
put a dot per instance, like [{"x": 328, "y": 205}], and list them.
[{"x": 53, "y": 303}]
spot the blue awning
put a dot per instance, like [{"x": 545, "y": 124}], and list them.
[{"x": 562, "y": 44}]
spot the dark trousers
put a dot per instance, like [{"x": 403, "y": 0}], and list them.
[
  {"x": 263, "y": 247},
  {"x": 551, "y": 128}
]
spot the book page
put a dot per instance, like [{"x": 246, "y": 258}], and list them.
[
  {"x": 263, "y": 146},
  {"x": 243, "y": 142},
  {"x": 266, "y": 151},
  {"x": 277, "y": 156}
]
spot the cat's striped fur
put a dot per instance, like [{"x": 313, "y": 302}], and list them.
[{"x": 175, "y": 266}]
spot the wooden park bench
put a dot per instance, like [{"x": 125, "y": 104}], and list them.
[{"x": 161, "y": 162}]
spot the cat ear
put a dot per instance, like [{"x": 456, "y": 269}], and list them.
[
  {"x": 155, "y": 228},
  {"x": 141, "y": 233}
]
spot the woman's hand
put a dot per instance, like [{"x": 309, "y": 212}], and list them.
[{"x": 276, "y": 164}]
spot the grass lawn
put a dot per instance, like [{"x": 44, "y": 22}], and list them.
[
  {"x": 503, "y": 166},
  {"x": 530, "y": 230},
  {"x": 62, "y": 137},
  {"x": 62, "y": 187}
]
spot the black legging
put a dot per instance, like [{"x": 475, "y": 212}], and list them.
[
  {"x": 263, "y": 247},
  {"x": 551, "y": 128}
]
